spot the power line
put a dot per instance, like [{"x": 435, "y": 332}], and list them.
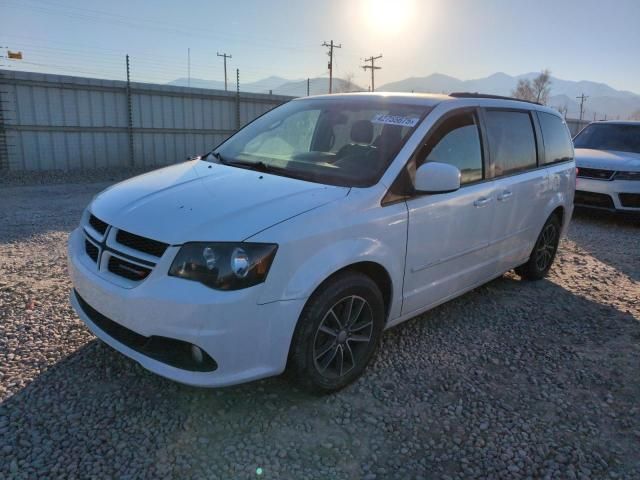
[
  {"x": 373, "y": 68},
  {"x": 101, "y": 17},
  {"x": 225, "y": 56},
  {"x": 86, "y": 60},
  {"x": 331, "y": 46}
]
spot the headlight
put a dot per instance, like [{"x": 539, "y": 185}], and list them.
[
  {"x": 224, "y": 266},
  {"x": 627, "y": 176}
]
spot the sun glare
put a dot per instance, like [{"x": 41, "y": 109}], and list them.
[{"x": 389, "y": 15}]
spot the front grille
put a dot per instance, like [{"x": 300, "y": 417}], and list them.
[
  {"x": 142, "y": 244},
  {"x": 176, "y": 353},
  {"x": 122, "y": 262},
  {"x": 595, "y": 173},
  {"x": 592, "y": 199},
  {"x": 127, "y": 269},
  {"x": 91, "y": 250},
  {"x": 630, "y": 200},
  {"x": 97, "y": 224}
]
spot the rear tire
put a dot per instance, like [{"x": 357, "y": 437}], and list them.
[
  {"x": 337, "y": 334},
  {"x": 543, "y": 253}
]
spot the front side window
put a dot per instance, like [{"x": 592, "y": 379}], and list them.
[
  {"x": 610, "y": 136},
  {"x": 456, "y": 141},
  {"x": 556, "y": 138},
  {"x": 331, "y": 141},
  {"x": 511, "y": 141}
]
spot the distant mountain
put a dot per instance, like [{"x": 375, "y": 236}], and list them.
[
  {"x": 260, "y": 86},
  {"x": 277, "y": 85},
  {"x": 317, "y": 86},
  {"x": 434, "y": 83},
  {"x": 197, "y": 83},
  {"x": 603, "y": 100}
]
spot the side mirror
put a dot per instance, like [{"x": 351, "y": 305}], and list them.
[{"x": 434, "y": 177}]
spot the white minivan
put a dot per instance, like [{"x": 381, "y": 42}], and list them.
[{"x": 297, "y": 241}]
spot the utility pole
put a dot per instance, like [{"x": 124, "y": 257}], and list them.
[
  {"x": 307, "y": 87},
  {"x": 129, "y": 116},
  {"x": 4, "y": 112},
  {"x": 237, "y": 99},
  {"x": 224, "y": 56},
  {"x": 582, "y": 99},
  {"x": 188, "y": 67},
  {"x": 331, "y": 46},
  {"x": 373, "y": 68}
]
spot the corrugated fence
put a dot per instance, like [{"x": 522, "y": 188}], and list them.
[
  {"x": 575, "y": 125},
  {"x": 57, "y": 122},
  {"x": 50, "y": 122}
]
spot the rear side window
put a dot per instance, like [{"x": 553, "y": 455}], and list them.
[
  {"x": 457, "y": 142},
  {"x": 556, "y": 138},
  {"x": 511, "y": 141}
]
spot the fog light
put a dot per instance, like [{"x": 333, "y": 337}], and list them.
[{"x": 196, "y": 354}]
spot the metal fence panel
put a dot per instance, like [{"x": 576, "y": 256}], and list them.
[
  {"x": 575, "y": 125},
  {"x": 65, "y": 123}
]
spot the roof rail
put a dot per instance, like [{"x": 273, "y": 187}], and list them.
[{"x": 486, "y": 95}]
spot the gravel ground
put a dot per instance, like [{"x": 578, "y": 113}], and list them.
[{"x": 513, "y": 380}]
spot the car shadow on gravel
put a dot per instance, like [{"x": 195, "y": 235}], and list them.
[
  {"x": 612, "y": 239},
  {"x": 29, "y": 211},
  {"x": 514, "y": 377}
]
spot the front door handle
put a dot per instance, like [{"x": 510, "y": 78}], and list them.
[
  {"x": 505, "y": 196},
  {"x": 482, "y": 201}
]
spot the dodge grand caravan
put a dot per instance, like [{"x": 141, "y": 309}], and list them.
[{"x": 297, "y": 241}]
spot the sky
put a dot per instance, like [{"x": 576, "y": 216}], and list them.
[{"x": 575, "y": 39}]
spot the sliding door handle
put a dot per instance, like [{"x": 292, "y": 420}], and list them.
[
  {"x": 505, "y": 196},
  {"x": 482, "y": 201}
]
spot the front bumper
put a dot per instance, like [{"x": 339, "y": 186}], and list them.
[
  {"x": 246, "y": 339},
  {"x": 622, "y": 194}
]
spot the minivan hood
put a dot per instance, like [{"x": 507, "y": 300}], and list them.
[
  {"x": 607, "y": 160},
  {"x": 203, "y": 201}
]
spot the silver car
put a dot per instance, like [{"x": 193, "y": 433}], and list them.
[{"x": 608, "y": 159}]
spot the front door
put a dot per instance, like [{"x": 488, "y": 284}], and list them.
[{"x": 449, "y": 233}]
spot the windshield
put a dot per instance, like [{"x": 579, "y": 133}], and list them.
[
  {"x": 331, "y": 141},
  {"x": 622, "y": 138}
]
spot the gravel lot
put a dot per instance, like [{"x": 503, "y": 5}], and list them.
[{"x": 513, "y": 380}]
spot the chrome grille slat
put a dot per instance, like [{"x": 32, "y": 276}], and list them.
[{"x": 595, "y": 173}]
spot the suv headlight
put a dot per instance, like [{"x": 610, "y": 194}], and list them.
[
  {"x": 224, "y": 266},
  {"x": 627, "y": 176}
]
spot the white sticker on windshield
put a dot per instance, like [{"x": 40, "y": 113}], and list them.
[{"x": 395, "y": 120}]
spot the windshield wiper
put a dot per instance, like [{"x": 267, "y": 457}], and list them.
[
  {"x": 218, "y": 157},
  {"x": 259, "y": 166}
]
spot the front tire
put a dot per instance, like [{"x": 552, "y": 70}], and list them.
[
  {"x": 337, "y": 333},
  {"x": 544, "y": 251}
]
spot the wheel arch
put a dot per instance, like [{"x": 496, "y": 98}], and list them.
[
  {"x": 559, "y": 212},
  {"x": 376, "y": 272}
]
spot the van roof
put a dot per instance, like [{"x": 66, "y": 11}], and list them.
[
  {"x": 619, "y": 122},
  {"x": 431, "y": 99}
]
